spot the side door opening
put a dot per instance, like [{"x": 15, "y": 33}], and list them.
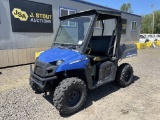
[{"x": 102, "y": 50}]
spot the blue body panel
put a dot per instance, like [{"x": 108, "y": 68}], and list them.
[{"x": 72, "y": 59}]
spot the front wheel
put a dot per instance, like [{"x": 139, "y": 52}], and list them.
[
  {"x": 69, "y": 96},
  {"x": 124, "y": 75},
  {"x": 35, "y": 87}
]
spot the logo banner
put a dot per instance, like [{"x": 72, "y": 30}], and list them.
[{"x": 27, "y": 16}]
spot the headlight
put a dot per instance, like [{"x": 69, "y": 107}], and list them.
[{"x": 59, "y": 62}]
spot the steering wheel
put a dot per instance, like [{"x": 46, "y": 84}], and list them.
[{"x": 89, "y": 49}]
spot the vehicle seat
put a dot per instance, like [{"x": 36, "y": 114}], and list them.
[
  {"x": 99, "y": 48},
  {"x": 98, "y": 58}
]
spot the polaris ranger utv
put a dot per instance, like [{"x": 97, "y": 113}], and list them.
[{"x": 82, "y": 58}]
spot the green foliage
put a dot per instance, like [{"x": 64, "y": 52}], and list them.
[
  {"x": 147, "y": 23},
  {"x": 126, "y": 7}
]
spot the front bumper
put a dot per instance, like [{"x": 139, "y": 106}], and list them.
[{"x": 41, "y": 82}]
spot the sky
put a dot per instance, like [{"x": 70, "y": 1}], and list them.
[{"x": 139, "y": 7}]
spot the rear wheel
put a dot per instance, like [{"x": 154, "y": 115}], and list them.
[
  {"x": 69, "y": 96},
  {"x": 124, "y": 75}
]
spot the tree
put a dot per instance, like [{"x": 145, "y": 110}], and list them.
[
  {"x": 126, "y": 7},
  {"x": 157, "y": 22},
  {"x": 147, "y": 23}
]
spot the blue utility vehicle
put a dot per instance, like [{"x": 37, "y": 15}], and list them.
[{"x": 82, "y": 59}]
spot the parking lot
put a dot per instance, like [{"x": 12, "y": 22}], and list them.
[{"x": 139, "y": 101}]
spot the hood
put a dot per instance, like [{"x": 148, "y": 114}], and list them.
[{"x": 56, "y": 54}]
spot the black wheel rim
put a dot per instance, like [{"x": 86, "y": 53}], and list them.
[
  {"x": 127, "y": 76},
  {"x": 73, "y": 97}
]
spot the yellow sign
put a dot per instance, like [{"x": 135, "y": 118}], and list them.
[{"x": 18, "y": 13}]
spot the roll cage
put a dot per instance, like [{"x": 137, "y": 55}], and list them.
[{"x": 99, "y": 15}]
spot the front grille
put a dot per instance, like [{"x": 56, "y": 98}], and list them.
[
  {"x": 39, "y": 63},
  {"x": 43, "y": 69},
  {"x": 39, "y": 71}
]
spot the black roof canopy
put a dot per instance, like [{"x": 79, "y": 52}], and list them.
[{"x": 103, "y": 14}]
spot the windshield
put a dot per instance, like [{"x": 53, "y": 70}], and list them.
[{"x": 73, "y": 31}]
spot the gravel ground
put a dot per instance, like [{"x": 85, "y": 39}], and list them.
[{"x": 139, "y": 101}]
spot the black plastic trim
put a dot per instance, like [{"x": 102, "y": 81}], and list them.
[{"x": 45, "y": 80}]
